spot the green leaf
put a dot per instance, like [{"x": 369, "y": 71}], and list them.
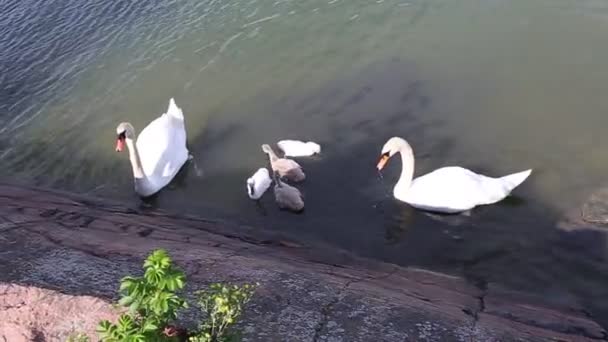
[
  {"x": 165, "y": 305},
  {"x": 126, "y": 301},
  {"x": 149, "y": 326},
  {"x": 158, "y": 259},
  {"x": 125, "y": 322},
  {"x": 152, "y": 301},
  {"x": 104, "y": 326},
  {"x": 139, "y": 338},
  {"x": 171, "y": 284},
  {"x": 179, "y": 281},
  {"x": 127, "y": 282},
  {"x": 134, "y": 307}
]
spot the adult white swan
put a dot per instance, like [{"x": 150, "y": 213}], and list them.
[
  {"x": 160, "y": 150},
  {"x": 446, "y": 190}
]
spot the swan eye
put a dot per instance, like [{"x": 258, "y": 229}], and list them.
[{"x": 122, "y": 136}]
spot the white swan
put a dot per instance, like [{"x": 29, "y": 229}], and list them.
[
  {"x": 446, "y": 190},
  {"x": 160, "y": 150},
  {"x": 297, "y": 148},
  {"x": 258, "y": 183}
]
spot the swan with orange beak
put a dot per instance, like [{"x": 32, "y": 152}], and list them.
[{"x": 449, "y": 190}]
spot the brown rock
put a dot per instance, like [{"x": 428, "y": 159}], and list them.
[
  {"x": 595, "y": 209},
  {"x": 592, "y": 214},
  {"x": 29, "y": 313}
]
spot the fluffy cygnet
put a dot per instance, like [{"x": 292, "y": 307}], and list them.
[
  {"x": 287, "y": 168},
  {"x": 297, "y": 148},
  {"x": 287, "y": 196}
]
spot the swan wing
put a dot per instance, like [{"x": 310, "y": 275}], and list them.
[
  {"x": 455, "y": 189},
  {"x": 262, "y": 185},
  {"x": 261, "y": 182},
  {"x": 162, "y": 146}
]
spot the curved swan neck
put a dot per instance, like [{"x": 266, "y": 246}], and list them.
[
  {"x": 407, "y": 167},
  {"x": 273, "y": 156},
  {"x": 138, "y": 171}
]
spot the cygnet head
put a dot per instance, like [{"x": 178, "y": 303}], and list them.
[
  {"x": 124, "y": 131},
  {"x": 390, "y": 148},
  {"x": 316, "y": 148}
]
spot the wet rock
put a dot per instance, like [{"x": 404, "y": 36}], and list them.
[
  {"x": 63, "y": 256},
  {"x": 592, "y": 214},
  {"x": 595, "y": 210}
]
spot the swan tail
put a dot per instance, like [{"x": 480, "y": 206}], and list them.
[
  {"x": 174, "y": 110},
  {"x": 511, "y": 181},
  {"x": 497, "y": 189}
]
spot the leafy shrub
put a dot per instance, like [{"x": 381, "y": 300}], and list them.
[
  {"x": 222, "y": 304},
  {"x": 153, "y": 304},
  {"x": 152, "y": 301}
]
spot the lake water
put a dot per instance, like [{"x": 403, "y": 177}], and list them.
[{"x": 493, "y": 85}]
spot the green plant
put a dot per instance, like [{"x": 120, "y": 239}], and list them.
[
  {"x": 152, "y": 301},
  {"x": 222, "y": 305},
  {"x": 78, "y": 337}
]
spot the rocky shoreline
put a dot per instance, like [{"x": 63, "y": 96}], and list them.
[{"x": 62, "y": 255}]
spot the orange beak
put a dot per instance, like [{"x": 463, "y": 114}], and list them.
[
  {"x": 120, "y": 144},
  {"x": 382, "y": 162}
]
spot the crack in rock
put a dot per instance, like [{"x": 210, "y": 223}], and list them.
[
  {"x": 325, "y": 312},
  {"x": 482, "y": 307},
  {"x": 483, "y": 287}
]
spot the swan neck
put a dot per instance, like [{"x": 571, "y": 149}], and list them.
[
  {"x": 138, "y": 171},
  {"x": 273, "y": 156},
  {"x": 277, "y": 180},
  {"x": 407, "y": 167}
]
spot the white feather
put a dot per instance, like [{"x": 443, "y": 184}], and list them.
[
  {"x": 455, "y": 189},
  {"x": 297, "y": 148},
  {"x": 162, "y": 146},
  {"x": 450, "y": 189},
  {"x": 162, "y": 151},
  {"x": 258, "y": 183}
]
